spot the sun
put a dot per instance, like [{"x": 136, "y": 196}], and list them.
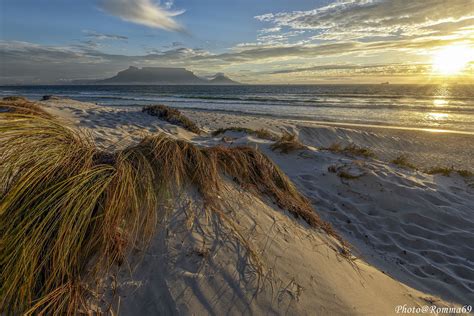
[{"x": 452, "y": 60}]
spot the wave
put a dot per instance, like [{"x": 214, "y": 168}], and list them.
[
  {"x": 296, "y": 97},
  {"x": 297, "y": 104}
]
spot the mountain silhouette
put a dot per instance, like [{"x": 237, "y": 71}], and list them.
[{"x": 164, "y": 76}]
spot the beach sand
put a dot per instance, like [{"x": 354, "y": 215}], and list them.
[
  {"x": 425, "y": 149},
  {"x": 412, "y": 232}
]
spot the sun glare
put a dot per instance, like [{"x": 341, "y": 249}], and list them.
[{"x": 452, "y": 60}]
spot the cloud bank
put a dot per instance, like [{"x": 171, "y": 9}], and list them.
[{"x": 144, "y": 12}]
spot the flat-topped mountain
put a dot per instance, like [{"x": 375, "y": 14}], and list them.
[{"x": 163, "y": 75}]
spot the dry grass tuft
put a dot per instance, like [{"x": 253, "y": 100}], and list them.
[
  {"x": 63, "y": 207},
  {"x": 351, "y": 150},
  {"x": 21, "y": 105},
  {"x": 171, "y": 115},
  {"x": 15, "y": 98},
  {"x": 440, "y": 170},
  {"x": 402, "y": 161},
  {"x": 260, "y": 133},
  {"x": 69, "y": 212},
  {"x": 445, "y": 171},
  {"x": 465, "y": 173},
  {"x": 287, "y": 143}
]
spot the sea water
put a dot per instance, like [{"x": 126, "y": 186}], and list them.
[{"x": 448, "y": 107}]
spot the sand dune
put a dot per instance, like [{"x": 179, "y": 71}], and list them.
[
  {"x": 425, "y": 149},
  {"x": 405, "y": 226}
]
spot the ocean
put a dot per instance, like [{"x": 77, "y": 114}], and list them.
[{"x": 446, "y": 107}]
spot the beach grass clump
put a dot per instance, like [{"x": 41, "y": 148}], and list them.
[
  {"x": 21, "y": 105},
  {"x": 172, "y": 116},
  {"x": 178, "y": 163},
  {"x": 69, "y": 212},
  {"x": 260, "y": 133},
  {"x": 351, "y": 150},
  {"x": 465, "y": 173},
  {"x": 287, "y": 143},
  {"x": 15, "y": 98},
  {"x": 447, "y": 171},
  {"x": 402, "y": 161}
]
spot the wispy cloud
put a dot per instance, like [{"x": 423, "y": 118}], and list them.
[
  {"x": 344, "y": 69},
  {"x": 102, "y": 36},
  {"x": 144, "y": 12}
]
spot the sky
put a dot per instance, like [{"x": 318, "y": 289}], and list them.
[{"x": 251, "y": 41}]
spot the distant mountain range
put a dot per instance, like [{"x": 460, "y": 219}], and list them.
[{"x": 160, "y": 76}]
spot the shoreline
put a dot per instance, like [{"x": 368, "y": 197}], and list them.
[{"x": 318, "y": 122}]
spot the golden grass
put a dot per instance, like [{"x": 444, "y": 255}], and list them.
[
  {"x": 15, "y": 98},
  {"x": 69, "y": 212},
  {"x": 351, "y": 150},
  {"x": 63, "y": 207},
  {"x": 260, "y": 133},
  {"x": 171, "y": 115},
  {"x": 287, "y": 143},
  {"x": 22, "y": 106}
]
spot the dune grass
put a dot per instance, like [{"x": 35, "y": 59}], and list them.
[
  {"x": 351, "y": 150},
  {"x": 64, "y": 207},
  {"x": 402, "y": 161},
  {"x": 260, "y": 133},
  {"x": 465, "y": 173},
  {"x": 70, "y": 212},
  {"x": 287, "y": 143},
  {"x": 447, "y": 171},
  {"x": 15, "y": 98},
  {"x": 171, "y": 115},
  {"x": 22, "y": 106}
]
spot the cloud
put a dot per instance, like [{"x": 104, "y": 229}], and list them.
[
  {"x": 24, "y": 62},
  {"x": 355, "y": 19},
  {"x": 102, "y": 36},
  {"x": 352, "y": 69},
  {"x": 262, "y": 53},
  {"x": 144, "y": 12}
]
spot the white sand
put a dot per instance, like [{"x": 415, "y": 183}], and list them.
[
  {"x": 414, "y": 227},
  {"x": 425, "y": 149}
]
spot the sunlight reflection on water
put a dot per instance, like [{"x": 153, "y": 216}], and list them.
[
  {"x": 437, "y": 116},
  {"x": 440, "y": 102}
]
